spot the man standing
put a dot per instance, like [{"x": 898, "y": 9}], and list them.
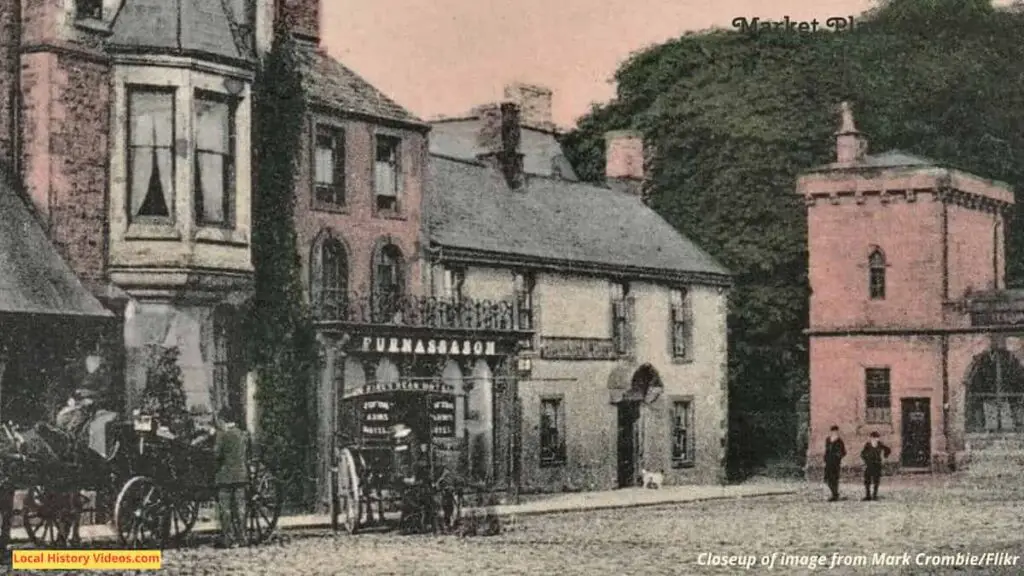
[
  {"x": 873, "y": 454},
  {"x": 835, "y": 451},
  {"x": 230, "y": 447}
]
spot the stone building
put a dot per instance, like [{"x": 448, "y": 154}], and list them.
[
  {"x": 128, "y": 121},
  {"x": 912, "y": 332},
  {"x": 625, "y": 367}
]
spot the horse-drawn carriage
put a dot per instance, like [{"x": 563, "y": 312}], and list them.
[
  {"x": 159, "y": 480},
  {"x": 398, "y": 450},
  {"x": 160, "y": 502}
]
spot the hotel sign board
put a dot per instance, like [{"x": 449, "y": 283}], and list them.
[{"x": 428, "y": 346}]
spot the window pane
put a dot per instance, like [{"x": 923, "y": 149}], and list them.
[
  {"x": 151, "y": 118},
  {"x": 324, "y": 165},
  {"x": 210, "y": 177},
  {"x": 677, "y": 297},
  {"x": 213, "y": 126},
  {"x": 151, "y": 172},
  {"x": 385, "y": 179}
]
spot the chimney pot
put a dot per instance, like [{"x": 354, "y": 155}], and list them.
[
  {"x": 851, "y": 145},
  {"x": 534, "y": 103}
]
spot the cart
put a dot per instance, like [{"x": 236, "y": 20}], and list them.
[
  {"x": 160, "y": 504},
  {"x": 397, "y": 451}
]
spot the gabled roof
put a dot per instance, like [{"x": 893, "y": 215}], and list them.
[
  {"x": 330, "y": 83},
  {"x": 190, "y": 26},
  {"x": 34, "y": 279},
  {"x": 470, "y": 208}
]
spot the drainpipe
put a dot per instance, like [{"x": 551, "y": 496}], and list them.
[
  {"x": 14, "y": 69},
  {"x": 943, "y": 190}
]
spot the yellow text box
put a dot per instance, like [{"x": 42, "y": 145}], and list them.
[{"x": 86, "y": 559}]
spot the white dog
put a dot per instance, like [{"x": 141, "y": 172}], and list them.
[{"x": 652, "y": 480}]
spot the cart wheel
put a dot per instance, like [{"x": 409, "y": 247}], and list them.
[
  {"x": 49, "y": 517},
  {"x": 184, "y": 513},
  {"x": 349, "y": 491},
  {"x": 263, "y": 503},
  {"x": 142, "y": 514}
]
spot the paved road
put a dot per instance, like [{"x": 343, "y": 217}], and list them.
[{"x": 911, "y": 519}]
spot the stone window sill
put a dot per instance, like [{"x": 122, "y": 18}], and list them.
[
  {"x": 682, "y": 360},
  {"x": 389, "y": 215},
  {"x": 92, "y": 25},
  {"x": 332, "y": 208},
  {"x": 681, "y": 464},
  {"x": 152, "y": 231},
  {"x": 211, "y": 235}
]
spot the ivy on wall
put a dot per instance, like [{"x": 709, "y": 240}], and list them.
[{"x": 280, "y": 330}]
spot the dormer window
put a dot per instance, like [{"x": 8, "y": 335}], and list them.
[{"x": 89, "y": 9}]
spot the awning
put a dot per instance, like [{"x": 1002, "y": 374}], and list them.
[{"x": 34, "y": 278}]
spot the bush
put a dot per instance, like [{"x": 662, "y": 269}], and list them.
[{"x": 164, "y": 395}]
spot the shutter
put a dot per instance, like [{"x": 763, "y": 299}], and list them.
[{"x": 629, "y": 329}]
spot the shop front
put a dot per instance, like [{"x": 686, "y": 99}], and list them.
[{"x": 476, "y": 360}]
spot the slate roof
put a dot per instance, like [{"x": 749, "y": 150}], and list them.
[
  {"x": 34, "y": 279},
  {"x": 330, "y": 83},
  {"x": 888, "y": 159},
  {"x": 204, "y": 26},
  {"x": 469, "y": 206}
]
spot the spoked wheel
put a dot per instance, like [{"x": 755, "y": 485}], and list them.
[
  {"x": 349, "y": 491},
  {"x": 50, "y": 517},
  {"x": 142, "y": 514},
  {"x": 183, "y": 516},
  {"x": 263, "y": 504}
]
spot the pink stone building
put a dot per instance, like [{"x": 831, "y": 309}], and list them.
[{"x": 912, "y": 332}]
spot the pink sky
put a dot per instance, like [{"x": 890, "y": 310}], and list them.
[{"x": 446, "y": 56}]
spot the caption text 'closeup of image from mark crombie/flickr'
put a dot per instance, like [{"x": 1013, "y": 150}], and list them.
[{"x": 573, "y": 288}]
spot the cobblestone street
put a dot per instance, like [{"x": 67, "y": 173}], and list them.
[{"x": 914, "y": 518}]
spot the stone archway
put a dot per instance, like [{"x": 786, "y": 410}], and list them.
[
  {"x": 645, "y": 387},
  {"x": 994, "y": 389}
]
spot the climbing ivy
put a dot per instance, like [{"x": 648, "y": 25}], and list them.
[{"x": 280, "y": 328}]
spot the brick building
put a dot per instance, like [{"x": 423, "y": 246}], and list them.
[
  {"x": 912, "y": 332},
  {"x": 128, "y": 122},
  {"x": 626, "y": 365}
]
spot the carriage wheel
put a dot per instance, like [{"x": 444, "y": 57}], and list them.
[
  {"x": 49, "y": 517},
  {"x": 141, "y": 514},
  {"x": 349, "y": 491},
  {"x": 184, "y": 514},
  {"x": 263, "y": 504}
]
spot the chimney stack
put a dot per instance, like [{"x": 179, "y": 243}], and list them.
[
  {"x": 534, "y": 103},
  {"x": 851, "y": 145},
  {"x": 302, "y": 17},
  {"x": 498, "y": 140},
  {"x": 624, "y": 161}
]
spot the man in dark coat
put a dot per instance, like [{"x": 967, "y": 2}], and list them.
[
  {"x": 873, "y": 454},
  {"x": 835, "y": 451},
  {"x": 231, "y": 449}
]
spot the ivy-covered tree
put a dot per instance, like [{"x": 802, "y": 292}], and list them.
[
  {"x": 733, "y": 118},
  {"x": 279, "y": 324}
]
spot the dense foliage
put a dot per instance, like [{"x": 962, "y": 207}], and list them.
[
  {"x": 280, "y": 329},
  {"x": 164, "y": 394},
  {"x": 733, "y": 119}
]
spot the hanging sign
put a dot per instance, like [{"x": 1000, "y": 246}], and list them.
[
  {"x": 376, "y": 418},
  {"x": 442, "y": 418}
]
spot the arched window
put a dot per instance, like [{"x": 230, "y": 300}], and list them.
[
  {"x": 387, "y": 282},
  {"x": 876, "y": 274},
  {"x": 329, "y": 278}
]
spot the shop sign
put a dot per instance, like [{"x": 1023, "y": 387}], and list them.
[{"x": 429, "y": 347}]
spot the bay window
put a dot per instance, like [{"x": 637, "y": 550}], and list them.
[{"x": 214, "y": 169}]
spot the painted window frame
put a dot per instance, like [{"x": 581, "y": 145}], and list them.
[
  {"x": 558, "y": 454},
  {"x": 338, "y": 189},
  {"x": 323, "y": 297},
  {"x": 397, "y": 142},
  {"x": 230, "y": 180},
  {"x": 130, "y": 90},
  {"x": 681, "y": 324},
  {"x": 877, "y": 274},
  {"x": 622, "y": 304},
  {"x": 689, "y": 458},
  {"x": 874, "y": 411},
  {"x": 386, "y": 306}
]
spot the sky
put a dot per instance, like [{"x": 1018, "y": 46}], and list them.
[{"x": 443, "y": 57}]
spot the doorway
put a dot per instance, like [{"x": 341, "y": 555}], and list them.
[
  {"x": 916, "y": 432},
  {"x": 629, "y": 443}
]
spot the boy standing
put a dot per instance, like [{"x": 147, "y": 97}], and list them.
[
  {"x": 873, "y": 454},
  {"x": 230, "y": 447},
  {"x": 835, "y": 451}
]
